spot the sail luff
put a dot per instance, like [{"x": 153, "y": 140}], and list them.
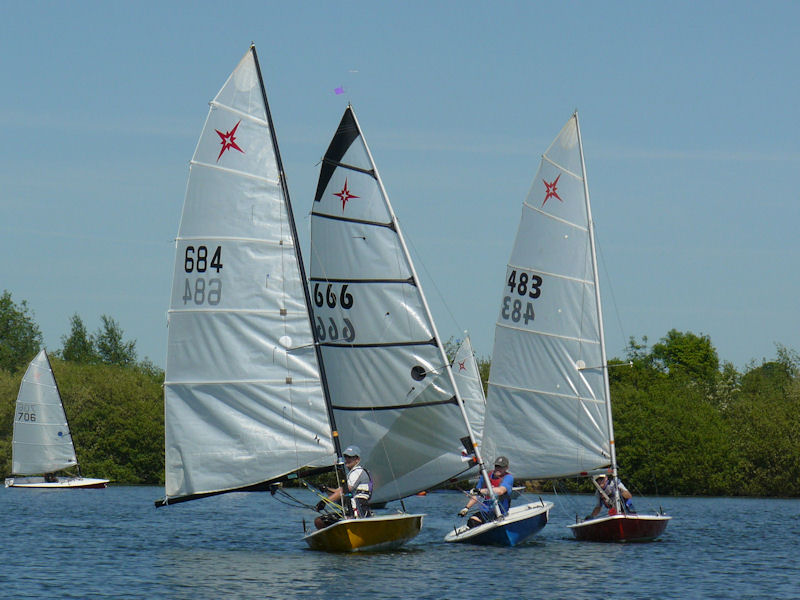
[
  {"x": 66, "y": 418},
  {"x": 340, "y": 472},
  {"x": 604, "y": 358},
  {"x": 432, "y": 323}
]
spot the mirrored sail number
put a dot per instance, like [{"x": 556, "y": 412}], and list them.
[
  {"x": 522, "y": 288},
  {"x": 25, "y": 413},
  {"x": 202, "y": 290},
  {"x": 334, "y": 330}
]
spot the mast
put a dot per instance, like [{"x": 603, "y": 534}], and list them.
[
  {"x": 604, "y": 359},
  {"x": 442, "y": 355},
  {"x": 340, "y": 471},
  {"x": 66, "y": 420}
]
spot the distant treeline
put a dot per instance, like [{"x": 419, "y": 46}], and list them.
[{"x": 684, "y": 422}]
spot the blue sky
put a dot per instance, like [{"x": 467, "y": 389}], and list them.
[{"x": 689, "y": 115}]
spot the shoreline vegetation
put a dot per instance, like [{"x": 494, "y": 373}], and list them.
[{"x": 685, "y": 423}]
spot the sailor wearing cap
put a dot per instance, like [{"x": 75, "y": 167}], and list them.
[
  {"x": 502, "y": 483},
  {"x": 359, "y": 483},
  {"x": 607, "y": 489}
]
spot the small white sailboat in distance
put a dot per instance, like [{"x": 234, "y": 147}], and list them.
[{"x": 42, "y": 443}]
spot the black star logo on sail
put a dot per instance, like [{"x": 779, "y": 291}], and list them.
[
  {"x": 551, "y": 190},
  {"x": 345, "y": 194},
  {"x": 228, "y": 141}
]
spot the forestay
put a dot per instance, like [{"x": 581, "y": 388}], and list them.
[
  {"x": 391, "y": 388},
  {"x": 42, "y": 441},
  {"x": 470, "y": 386},
  {"x": 546, "y": 404},
  {"x": 243, "y": 398}
]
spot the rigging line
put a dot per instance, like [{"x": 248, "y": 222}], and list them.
[
  {"x": 609, "y": 286},
  {"x": 432, "y": 279}
]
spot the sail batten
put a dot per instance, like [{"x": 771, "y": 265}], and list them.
[{"x": 239, "y": 173}]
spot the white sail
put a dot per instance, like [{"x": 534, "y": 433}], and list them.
[
  {"x": 42, "y": 442},
  {"x": 389, "y": 380},
  {"x": 547, "y": 398},
  {"x": 243, "y": 399},
  {"x": 470, "y": 386}
]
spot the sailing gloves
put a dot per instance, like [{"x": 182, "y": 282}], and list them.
[
  {"x": 463, "y": 512},
  {"x": 320, "y": 506}
]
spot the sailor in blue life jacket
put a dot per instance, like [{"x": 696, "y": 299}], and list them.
[
  {"x": 359, "y": 481},
  {"x": 608, "y": 488},
  {"x": 502, "y": 483}
]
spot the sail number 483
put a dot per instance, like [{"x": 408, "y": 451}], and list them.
[
  {"x": 524, "y": 286},
  {"x": 200, "y": 290}
]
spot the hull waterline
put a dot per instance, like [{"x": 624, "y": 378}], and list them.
[
  {"x": 621, "y": 528},
  {"x": 384, "y": 532},
  {"x": 61, "y": 483}
]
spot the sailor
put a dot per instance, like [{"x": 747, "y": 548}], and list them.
[
  {"x": 607, "y": 489},
  {"x": 359, "y": 481},
  {"x": 502, "y": 484}
]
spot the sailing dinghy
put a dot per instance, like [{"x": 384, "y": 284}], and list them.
[
  {"x": 42, "y": 443},
  {"x": 548, "y": 403},
  {"x": 392, "y": 388},
  {"x": 245, "y": 393}
]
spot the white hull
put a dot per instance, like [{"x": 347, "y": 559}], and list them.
[{"x": 59, "y": 484}]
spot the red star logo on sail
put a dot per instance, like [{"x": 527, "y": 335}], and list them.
[
  {"x": 345, "y": 194},
  {"x": 551, "y": 190},
  {"x": 228, "y": 141},
  {"x": 461, "y": 366}
]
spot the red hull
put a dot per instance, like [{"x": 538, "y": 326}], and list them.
[{"x": 621, "y": 528}]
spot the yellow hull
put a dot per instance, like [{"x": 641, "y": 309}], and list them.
[{"x": 383, "y": 532}]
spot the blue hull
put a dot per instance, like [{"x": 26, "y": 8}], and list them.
[
  {"x": 511, "y": 531},
  {"x": 511, "y": 534}
]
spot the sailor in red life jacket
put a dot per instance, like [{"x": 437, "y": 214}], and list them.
[
  {"x": 609, "y": 488},
  {"x": 502, "y": 483}
]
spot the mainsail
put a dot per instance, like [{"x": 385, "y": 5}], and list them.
[
  {"x": 470, "y": 386},
  {"x": 547, "y": 401},
  {"x": 391, "y": 387},
  {"x": 42, "y": 442},
  {"x": 243, "y": 398}
]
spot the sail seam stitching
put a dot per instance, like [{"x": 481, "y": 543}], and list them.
[{"x": 550, "y": 335}]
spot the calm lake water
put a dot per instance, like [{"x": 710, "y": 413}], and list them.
[{"x": 114, "y": 544}]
